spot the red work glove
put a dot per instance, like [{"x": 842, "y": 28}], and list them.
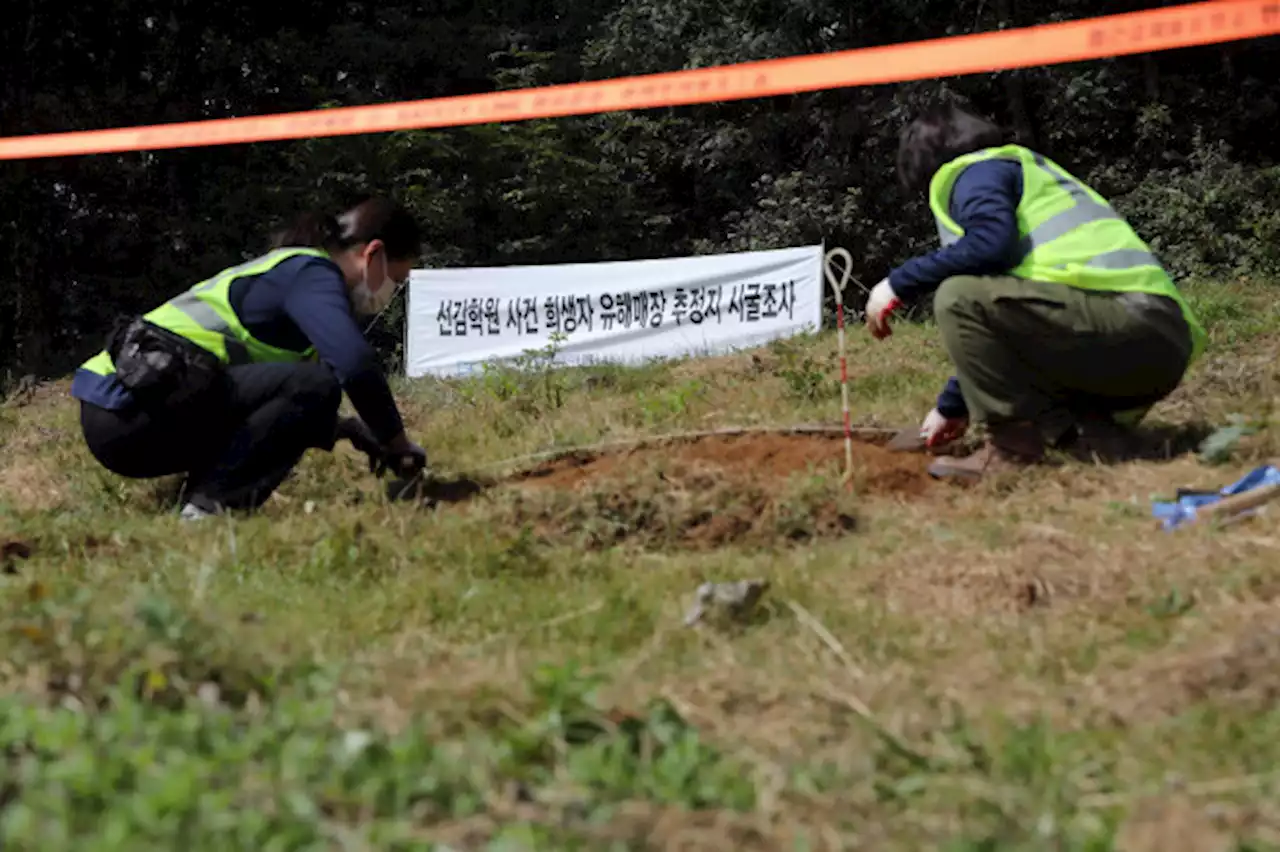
[
  {"x": 880, "y": 305},
  {"x": 937, "y": 430}
]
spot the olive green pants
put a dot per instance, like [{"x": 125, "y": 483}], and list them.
[{"x": 1052, "y": 353}]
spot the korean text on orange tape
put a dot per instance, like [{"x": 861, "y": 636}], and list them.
[{"x": 1148, "y": 31}]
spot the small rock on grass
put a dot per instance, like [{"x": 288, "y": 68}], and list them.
[{"x": 736, "y": 599}]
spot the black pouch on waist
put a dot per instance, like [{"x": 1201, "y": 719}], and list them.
[{"x": 160, "y": 367}]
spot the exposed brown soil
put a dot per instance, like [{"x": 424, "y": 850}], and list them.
[
  {"x": 698, "y": 493},
  {"x": 763, "y": 456}
]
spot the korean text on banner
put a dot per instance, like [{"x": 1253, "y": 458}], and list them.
[{"x": 624, "y": 312}]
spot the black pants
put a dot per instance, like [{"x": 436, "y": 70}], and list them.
[{"x": 236, "y": 444}]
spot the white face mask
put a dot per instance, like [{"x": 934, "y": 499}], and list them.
[{"x": 365, "y": 301}]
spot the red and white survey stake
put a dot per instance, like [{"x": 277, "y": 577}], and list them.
[{"x": 838, "y": 281}]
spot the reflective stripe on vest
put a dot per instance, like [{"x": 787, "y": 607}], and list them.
[
  {"x": 1086, "y": 210},
  {"x": 204, "y": 316},
  {"x": 1065, "y": 244}
]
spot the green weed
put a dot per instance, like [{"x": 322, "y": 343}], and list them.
[{"x": 1024, "y": 665}]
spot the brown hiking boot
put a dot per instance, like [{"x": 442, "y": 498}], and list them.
[{"x": 1011, "y": 446}]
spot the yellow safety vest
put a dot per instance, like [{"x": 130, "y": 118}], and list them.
[
  {"x": 1069, "y": 233},
  {"x": 204, "y": 316}
]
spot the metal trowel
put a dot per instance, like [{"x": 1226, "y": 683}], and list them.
[{"x": 907, "y": 441}]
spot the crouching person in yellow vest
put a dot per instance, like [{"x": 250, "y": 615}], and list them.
[
  {"x": 233, "y": 380},
  {"x": 1062, "y": 326}
]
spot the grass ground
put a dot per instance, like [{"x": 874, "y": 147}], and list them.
[{"x": 1030, "y": 664}]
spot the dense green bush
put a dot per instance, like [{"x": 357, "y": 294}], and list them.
[
  {"x": 1210, "y": 215},
  {"x": 94, "y": 236}
]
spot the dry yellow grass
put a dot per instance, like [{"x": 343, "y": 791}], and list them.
[{"x": 1025, "y": 664}]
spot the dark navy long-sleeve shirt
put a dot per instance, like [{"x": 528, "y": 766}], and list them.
[
  {"x": 984, "y": 202},
  {"x": 301, "y": 302}
]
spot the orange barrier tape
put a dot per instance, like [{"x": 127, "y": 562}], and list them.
[{"x": 1048, "y": 44}]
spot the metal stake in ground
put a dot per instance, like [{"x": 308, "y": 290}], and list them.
[{"x": 838, "y": 281}]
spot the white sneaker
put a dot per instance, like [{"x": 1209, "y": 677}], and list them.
[{"x": 192, "y": 512}]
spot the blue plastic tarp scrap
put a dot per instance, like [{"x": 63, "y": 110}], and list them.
[{"x": 1173, "y": 515}]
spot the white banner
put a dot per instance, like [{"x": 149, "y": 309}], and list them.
[{"x": 626, "y": 311}]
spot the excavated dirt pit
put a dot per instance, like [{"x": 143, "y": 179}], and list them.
[
  {"x": 764, "y": 488},
  {"x": 750, "y": 456}
]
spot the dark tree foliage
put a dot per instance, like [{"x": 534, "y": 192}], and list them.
[{"x": 1184, "y": 142}]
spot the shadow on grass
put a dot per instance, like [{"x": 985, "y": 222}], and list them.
[
  {"x": 430, "y": 490},
  {"x": 1167, "y": 442},
  {"x": 166, "y": 494}
]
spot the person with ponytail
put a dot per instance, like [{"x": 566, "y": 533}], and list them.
[
  {"x": 1062, "y": 324},
  {"x": 233, "y": 380}
]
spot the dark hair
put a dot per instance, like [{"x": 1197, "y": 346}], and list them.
[
  {"x": 372, "y": 219},
  {"x": 938, "y": 136}
]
